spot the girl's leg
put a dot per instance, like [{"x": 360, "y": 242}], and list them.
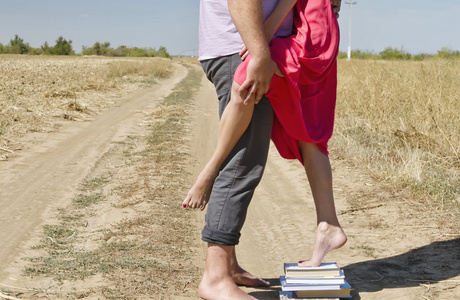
[
  {"x": 329, "y": 235},
  {"x": 235, "y": 120}
]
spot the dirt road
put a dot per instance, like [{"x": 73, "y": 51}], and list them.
[
  {"x": 396, "y": 248},
  {"x": 44, "y": 175}
]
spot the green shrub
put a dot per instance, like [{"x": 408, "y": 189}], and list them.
[
  {"x": 363, "y": 54},
  {"x": 162, "y": 52},
  {"x": 97, "y": 49},
  {"x": 63, "y": 47},
  {"x": 46, "y": 49},
  {"x": 448, "y": 53},
  {"x": 394, "y": 54},
  {"x": 104, "y": 49},
  {"x": 17, "y": 46}
]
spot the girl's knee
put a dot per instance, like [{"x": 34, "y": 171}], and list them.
[{"x": 236, "y": 97}]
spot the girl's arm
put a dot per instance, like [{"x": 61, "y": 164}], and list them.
[
  {"x": 273, "y": 22},
  {"x": 275, "y": 19},
  {"x": 280, "y": 12}
]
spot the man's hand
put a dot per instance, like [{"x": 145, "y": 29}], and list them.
[
  {"x": 336, "y": 7},
  {"x": 248, "y": 18},
  {"x": 258, "y": 78}
]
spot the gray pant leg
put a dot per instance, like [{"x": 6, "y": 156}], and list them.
[{"x": 242, "y": 171}]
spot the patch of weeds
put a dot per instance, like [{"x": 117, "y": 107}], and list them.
[
  {"x": 74, "y": 219},
  {"x": 91, "y": 189},
  {"x": 87, "y": 200},
  {"x": 68, "y": 265},
  {"x": 57, "y": 238},
  {"x": 94, "y": 183},
  {"x": 57, "y": 232},
  {"x": 124, "y": 255},
  {"x": 63, "y": 261}
]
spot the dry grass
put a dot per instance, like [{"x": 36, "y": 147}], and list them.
[
  {"x": 38, "y": 93},
  {"x": 160, "y": 69},
  {"x": 187, "y": 60},
  {"x": 148, "y": 253},
  {"x": 401, "y": 121}
]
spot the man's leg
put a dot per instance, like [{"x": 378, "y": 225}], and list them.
[
  {"x": 242, "y": 277},
  {"x": 233, "y": 187},
  {"x": 217, "y": 282}
]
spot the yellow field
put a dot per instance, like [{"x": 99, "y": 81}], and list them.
[
  {"x": 401, "y": 120},
  {"x": 38, "y": 92}
]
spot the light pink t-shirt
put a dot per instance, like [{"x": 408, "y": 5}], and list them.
[{"x": 217, "y": 33}]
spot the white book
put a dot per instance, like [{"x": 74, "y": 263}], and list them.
[
  {"x": 318, "y": 280},
  {"x": 325, "y": 269},
  {"x": 307, "y": 286}
]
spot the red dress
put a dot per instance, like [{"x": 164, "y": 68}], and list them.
[{"x": 304, "y": 100}]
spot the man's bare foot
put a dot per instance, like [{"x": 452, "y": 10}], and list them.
[
  {"x": 242, "y": 277},
  {"x": 199, "y": 194},
  {"x": 328, "y": 238},
  {"x": 221, "y": 289}
]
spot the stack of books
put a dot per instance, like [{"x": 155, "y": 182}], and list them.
[{"x": 326, "y": 281}]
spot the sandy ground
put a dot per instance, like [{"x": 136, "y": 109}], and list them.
[{"x": 396, "y": 248}]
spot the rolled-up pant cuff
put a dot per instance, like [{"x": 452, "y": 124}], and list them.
[{"x": 220, "y": 237}]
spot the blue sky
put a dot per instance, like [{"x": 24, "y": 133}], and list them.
[{"x": 417, "y": 26}]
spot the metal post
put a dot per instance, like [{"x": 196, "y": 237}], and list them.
[{"x": 349, "y": 29}]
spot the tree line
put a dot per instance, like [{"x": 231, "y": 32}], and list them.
[
  {"x": 63, "y": 46},
  {"x": 390, "y": 53}
]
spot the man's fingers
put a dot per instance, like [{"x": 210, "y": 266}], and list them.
[
  {"x": 258, "y": 96},
  {"x": 249, "y": 97},
  {"x": 252, "y": 95},
  {"x": 245, "y": 91},
  {"x": 244, "y": 87}
]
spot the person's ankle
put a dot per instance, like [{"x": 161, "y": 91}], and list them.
[{"x": 327, "y": 225}]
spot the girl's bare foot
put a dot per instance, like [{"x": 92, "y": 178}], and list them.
[
  {"x": 328, "y": 238},
  {"x": 199, "y": 194}
]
